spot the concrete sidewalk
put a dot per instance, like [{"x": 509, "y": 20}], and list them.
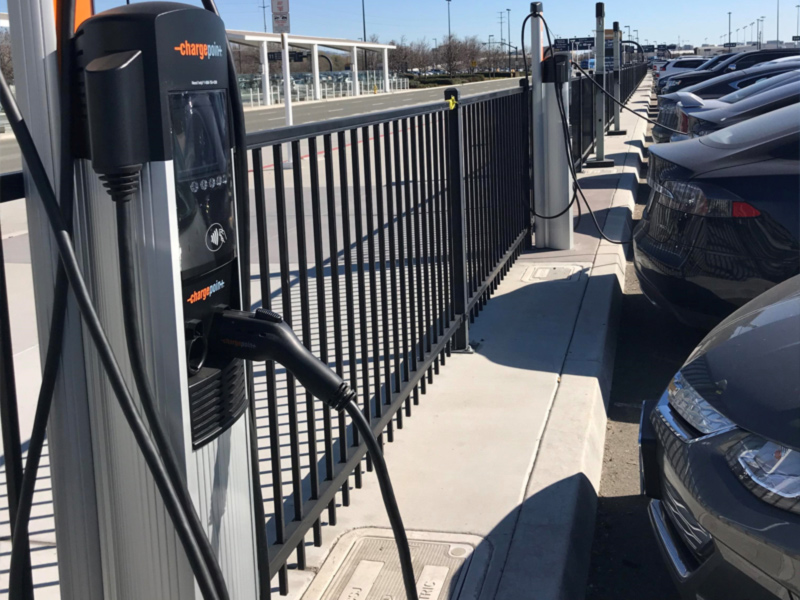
[{"x": 507, "y": 444}]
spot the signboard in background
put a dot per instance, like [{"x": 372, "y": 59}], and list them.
[
  {"x": 729, "y": 45},
  {"x": 280, "y": 7},
  {"x": 280, "y": 23},
  {"x": 796, "y": 38},
  {"x": 650, "y": 48},
  {"x": 280, "y": 16},
  {"x": 586, "y": 40},
  {"x": 662, "y": 47},
  {"x": 561, "y": 44},
  {"x": 294, "y": 56}
]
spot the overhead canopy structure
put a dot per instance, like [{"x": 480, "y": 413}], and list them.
[
  {"x": 260, "y": 40},
  {"x": 3, "y": 19}
]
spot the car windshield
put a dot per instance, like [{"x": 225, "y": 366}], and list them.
[
  {"x": 769, "y": 81},
  {"x": 724, "y": 63},
  {"x": 778, "y": 123}
]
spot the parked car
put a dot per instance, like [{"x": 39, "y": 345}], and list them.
[
  {"x": 720, "y": 457},
  {"x": 722, "y": 224},
  {"x": 695, "y": 123},
  {"x": 716, "y": 88},
  {"x": 736, "y": 62},
  {"x": 693, "y": 105},
  {"x": 680, "y": 65},
  {"x": 707, "y": 64}
]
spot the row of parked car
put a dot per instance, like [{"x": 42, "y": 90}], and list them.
[{"x": 718, "y": 247}]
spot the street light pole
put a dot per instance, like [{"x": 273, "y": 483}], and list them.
[
  {"x": 763, "y": 18},
  {"x": 778, "y": 25},
  {"x": 797, "y": 6},
  {"x": 508, "y": 21},
  {"x": 449, "y": 35},
  {"x": 729, "y": 32},
  {"x": 364, "y": 21}
]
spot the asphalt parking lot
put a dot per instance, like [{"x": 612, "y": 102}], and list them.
[{"x": 651, "y": 347}]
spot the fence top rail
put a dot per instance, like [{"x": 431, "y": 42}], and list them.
[
  {"x": 294, "y": 133},
  {"x": 476, "y": 98}
]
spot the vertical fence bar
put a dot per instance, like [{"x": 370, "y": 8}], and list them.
[
  {"x": 415, "y": 216},
  {"x": 401, "y": 253},
  {"x": 355, "y": 166},
  {"x": 424, "y": 189},
  {"x": 322, "y": 318},
  {"x": 373, "y": 282},
  {"x": 286, "y": 298},
  {"x": 336, "y": 298},
  {"x": 381, "y": 264},
  {"x": 457, "y": 224},
  {"x": 408, "y": 215},
  {"x": 305, "y": 315},
  {"x": 393, "y": 265},
  {"x": 260, "y": 517}
]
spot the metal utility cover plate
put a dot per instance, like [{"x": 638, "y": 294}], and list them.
[
  {"x": 364, "y": 565},
  {"x": 566, "y": 272}
]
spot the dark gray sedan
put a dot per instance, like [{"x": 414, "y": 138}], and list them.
[
  {"x": 699, "y": 122},
  {"x": 720, "y": 457}
]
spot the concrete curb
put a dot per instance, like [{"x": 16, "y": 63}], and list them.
[{"x": 551, "y": 548}]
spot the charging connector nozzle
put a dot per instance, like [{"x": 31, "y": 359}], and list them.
[{"x": 264, "y": 335}]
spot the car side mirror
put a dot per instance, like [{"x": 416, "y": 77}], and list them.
[{"x": 730, "y": 68}]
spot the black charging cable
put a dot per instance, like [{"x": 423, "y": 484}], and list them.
[
  {"x": 630, "y": 110},
  {"x": 20, "y": 583},
  {"x": 104, "y": 349}
]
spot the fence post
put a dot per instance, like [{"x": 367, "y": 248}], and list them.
[{"x": 456, "y": 198}]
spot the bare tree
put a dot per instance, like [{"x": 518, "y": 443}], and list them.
[{"x": 5, "y": 56}]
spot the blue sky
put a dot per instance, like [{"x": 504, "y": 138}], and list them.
[{"x": 663, "y": 21}]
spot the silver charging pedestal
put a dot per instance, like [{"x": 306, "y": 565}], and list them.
[{"x": 115, "y": 538}]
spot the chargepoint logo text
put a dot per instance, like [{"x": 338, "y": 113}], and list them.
[
  {"x": 203, "y": 294},
  {"x": 201, "y": 51}
]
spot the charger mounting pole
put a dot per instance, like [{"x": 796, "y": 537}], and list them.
[
  {"x": 617, "y": 79},
  {"x": 600, "y": 160},
  {"x": 552, "y": 180}
]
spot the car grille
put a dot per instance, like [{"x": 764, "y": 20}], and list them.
[
  {"x": 696, "y": 538},
  {"x": 668, "y": 114}
]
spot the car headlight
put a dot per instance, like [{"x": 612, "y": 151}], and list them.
[
  {"x": 769, "y": 470},
  {"x": 694, "y": 409}
]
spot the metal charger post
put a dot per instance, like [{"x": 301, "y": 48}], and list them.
[
  {"x": 617, "y": 80},
  {"x": 600, "y": 160},
  {"x": 556, "y": 233},
  {"x": 551, "y": 177}
]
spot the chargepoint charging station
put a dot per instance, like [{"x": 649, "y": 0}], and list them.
[
  {"x": 552, "y": 178},
  {"x": 153, "y": 79}
]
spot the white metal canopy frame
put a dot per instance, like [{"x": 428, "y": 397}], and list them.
[{"x": 260, "y": 40}]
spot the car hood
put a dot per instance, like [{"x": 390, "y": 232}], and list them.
[{"x": 747, "y": 367}]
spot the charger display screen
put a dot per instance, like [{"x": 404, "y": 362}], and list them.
[{"x": 203, "y": 179}]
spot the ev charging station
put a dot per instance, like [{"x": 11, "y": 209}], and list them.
[
  {"x": 153, "y": 79},
  {"x": 552, "y": 177},
  {"x": 149, "y": 116}
]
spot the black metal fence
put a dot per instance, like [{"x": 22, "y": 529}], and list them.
[
  {"x": 582, "y": 109},
  {"x": 379, "y": 236}
]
